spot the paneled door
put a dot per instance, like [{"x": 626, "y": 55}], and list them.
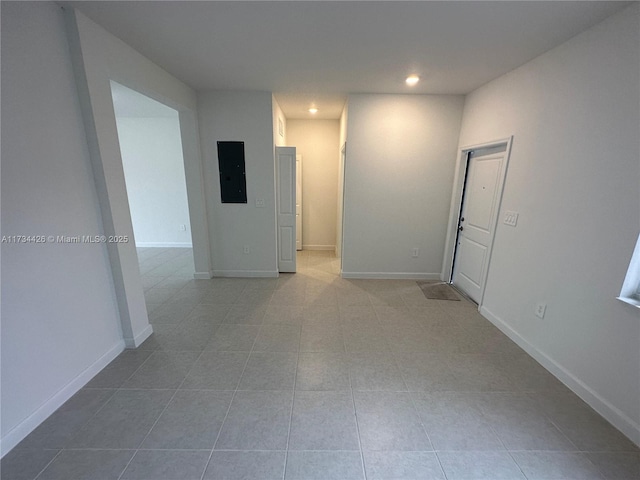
[
  {"x": 286, "y": 207},
  {"x": 486, "y": 169}
]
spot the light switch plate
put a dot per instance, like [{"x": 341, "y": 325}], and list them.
[
  {"x": 511, "y": 218},
  {"x": 259, "y": 202}
]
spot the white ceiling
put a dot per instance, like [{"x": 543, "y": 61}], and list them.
[
  {"x": 296, "y": 105},
  {"x": 319, "y": 51}
]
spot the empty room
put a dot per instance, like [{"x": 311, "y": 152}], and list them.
[{"x": 309, "y": 240}]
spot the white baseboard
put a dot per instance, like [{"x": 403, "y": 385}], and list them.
[
  {"x": 141, "y": 337},
  {"x": 319, "y": 247},
  {"x": 392, "y": 275},
  {"x": 164, "y": 245},
  {"x": 246, "y": 273},
  {"x": 28, "y": 425},
  {"x": 601, "y": 405},
  {"x": 202, "y": 275}
]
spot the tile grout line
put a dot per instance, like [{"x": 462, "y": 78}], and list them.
[
  {"x": 353, "y": 399},
  {"x": 440, "y": 464},
  {"x": 293, "y": 400},
  {"x": 48, "y": 464},
  {"x": 510, "y": 452},
  {"x": 115, "y": 391},
  {"x": 191, "y": 309},
  {"x": 226, "y": 415},
  {"x": 557, "y": 427},
  {"x": 424, "y": 429},
  {"x": 529, "y": 394},
  {"x": 161, "y": 413},
  {"x": 411, "y": 397},
  {"x": 493, "y": 430}
]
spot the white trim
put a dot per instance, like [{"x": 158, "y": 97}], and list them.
[
  {"x": 164, "y": 245},
  {"x": 319, "y": 247},
  {"x": 342, "y": 165},
  {"x": 612, "y": 414},
  {"x": 630, "y": 292},
  {"x": 299, "y": 200},
  {"x": 246, "y": 273},
  {"x": 203, "y": 275},
  {"x": 28, "y": 425},
  {"x": 141, "y": 337},
  {"x": 481, "y": 146},
  {"x": 634, "y": 302},
  {"x": 392, "y": 275}
]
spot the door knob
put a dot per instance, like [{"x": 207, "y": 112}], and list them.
[{"x": 460, "y": 228}]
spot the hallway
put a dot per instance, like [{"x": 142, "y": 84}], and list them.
[{"x": 311, "y": 376}]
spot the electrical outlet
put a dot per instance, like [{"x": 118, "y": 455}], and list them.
[
  {"x": 183, "y": 228},
  {"x": 415, "y": 252},
  {"x": 259, "y": 202},
  {"x": 245, "y": 249},
  {"x": 541, "y": 308}
]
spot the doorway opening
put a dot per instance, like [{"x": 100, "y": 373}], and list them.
[
  {"x": 151, "y": 150},
  {"x": 481, "y": 175},
  {"x": 317, "y": 143}
]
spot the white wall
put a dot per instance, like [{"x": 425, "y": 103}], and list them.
[
  {"x": 279, "y": 135},
  {"x": 574, "y": 113},
  {"x": 98, "y": 59},
  {"x": 401, "y": 157},
  {"x": 317, "y": 141},
  {"x": 75, "y": 321},
  {"x": 60, "y": 320},
  {"x": 246, "y": 117},
  {"x": 154, "y": 173}
]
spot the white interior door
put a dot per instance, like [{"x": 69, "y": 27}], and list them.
[
  {"x": 298, "y": 202},
  {"x": 486, "y": 171},
  {"x": 286, "y": 207}
]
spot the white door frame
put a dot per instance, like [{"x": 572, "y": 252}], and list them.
[
  {"x": 457, "y": 198},
  {"x": 299, "y": 205},
  {"x": 340, "y": 222}
]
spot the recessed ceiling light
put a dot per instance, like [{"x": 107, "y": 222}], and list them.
[
  {"x": 313, "y": 110},
  {"x": 412, "y": 80}
]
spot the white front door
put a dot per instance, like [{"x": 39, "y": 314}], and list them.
[
  {"x": 486, "y": 170},
  {"x": 298, "y": 202},
  {"x": 286, "y": 207}
]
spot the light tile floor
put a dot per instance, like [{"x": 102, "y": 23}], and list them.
[{"x": 311, "y": 376}]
